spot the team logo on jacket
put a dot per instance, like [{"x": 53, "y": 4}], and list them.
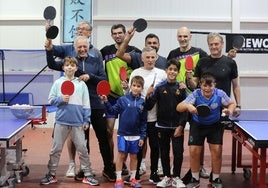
[{"x": 178, "y": 92}]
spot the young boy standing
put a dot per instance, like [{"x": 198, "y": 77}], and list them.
[
  {"x": 131, "y": 129},
  {"x": 72, "y": 118},
  {"x": 208, "y": 127},
  {"x": 170, "y": 123}
]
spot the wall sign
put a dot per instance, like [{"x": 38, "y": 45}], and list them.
[{"x": 75, "y": 11}]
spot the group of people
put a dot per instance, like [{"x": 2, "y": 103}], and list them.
[{"x": 155, "y": 103}]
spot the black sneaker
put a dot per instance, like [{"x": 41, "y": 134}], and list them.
[
  {"x": 127, "y": 179},
  {"x": 124, "y": 170},
  {"x": 187, "y": 177},
  {"x": 154, "y": 178},
  {"x": 109, "y": 174},
  {"x": 217, "y": 183},
  {"x": 79, "y": 176},
  {"x": 193, "y": 183},
  {"x": 90, "y": 180},
  {"x": 48, "y": 179}
]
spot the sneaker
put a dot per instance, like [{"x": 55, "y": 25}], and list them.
[
  {"x": 142, "y": 170},
  {"x": 90, "y": 180},
  {"x": 160, "y": 169},
  {"x": 177, "y": 182},
  {"x": 203, "y": 173},
  {"x": 118, "y": 184},
  {"x": 109, "y": 174},
  {"x": 134, "y": 183},
  {"x": 193, "y": 183},
  {"x": 48, "y": 179},
  {"x": 127, "y": 179},
  {"x": 71, "y": 170},
  {"x": 154, "y": 178},
  {"x": 79, "y": 176},
  {"x": 124, "y": 170},
  {"x": 217, "y": 183},
  {"x": 187, "y": 177},
  {"x": 165, "y": 182}
]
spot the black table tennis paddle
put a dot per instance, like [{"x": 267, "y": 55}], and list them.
[
  {"x": 52, "y": 32},
  {"x": 140, "y": 24},
  {"x": 238, "y": 42},
  {"x": 49, "y": 14},
  {"x": 203, "y": 110}
]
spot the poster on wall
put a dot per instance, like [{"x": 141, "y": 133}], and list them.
[
  {"x": 253, "y": 43},
  {"x": 75, "y": 11}
]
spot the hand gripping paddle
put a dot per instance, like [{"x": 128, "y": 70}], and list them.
[
  {"x": 238, "y": 42},
  {"x": 123, "y": 73},
  {"x": 203, "y": 110},
  {"x": 67, "y": 88},
  {"x": 49, "y": 14},
  {"x": 103, "y": 88},
  {"x": 189, "y": 63},
  {"x": 140, "y": 24}
]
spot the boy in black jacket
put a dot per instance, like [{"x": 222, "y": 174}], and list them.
[{"x": 170, "y": 123}]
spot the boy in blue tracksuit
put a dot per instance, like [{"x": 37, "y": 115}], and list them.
[
  {"x": 170, "y": 123},
  {"x": 72, "y": 118},
  {"x": 131, "y": 129}
]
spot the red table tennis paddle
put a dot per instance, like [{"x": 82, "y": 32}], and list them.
[
  {"x": 67, "y": 88},
  {"x": 103, "y": 88},
  {"x": 189, "y": 63},
  {"x": 123, "y": 73},
  {"x": 203, "y": 110},
  {"x": 140, "y": 24},
  {"x": 238, "y": 42}
]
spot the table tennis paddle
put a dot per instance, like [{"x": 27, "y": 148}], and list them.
[
  {"x": 52, "y": 32},
  {"x": 189, "y": 63},
  {"x": 140, "y": 24},
  {"x": 49, "y": 14},
  {"x": 154, "y": 79},
  {"x": 203, "y": 110},
  {"x": 238, "y": 41},
  {"x": 123, "y": 73},
  {"x": 67, "y": 88},
  {"x": 103, "y": 88}
]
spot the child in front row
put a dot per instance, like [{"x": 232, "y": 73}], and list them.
[
  {"x": 131, "y": 129},
  {"x": 72, "y": 118},
  {"x": 208, "y": 127},
  {"x": 170, "y": 123}
]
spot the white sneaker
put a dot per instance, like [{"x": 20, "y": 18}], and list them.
[
  {"x": 71, "y": 170},
  {"x": 165, "y": 182},
  {"x": 159, "y": 168},
  {"x": 177, "y": 182},
  {"x": 142, "y": 168}
]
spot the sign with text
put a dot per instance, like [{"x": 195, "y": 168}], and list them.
[
  {"x": 75, "y": 11},
  {"x": 253, "y": 43}
]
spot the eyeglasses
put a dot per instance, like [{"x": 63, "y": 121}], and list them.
[{"x": 82, "y": 28}]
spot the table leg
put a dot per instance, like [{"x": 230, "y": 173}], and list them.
[
  {"x": 254, "y": 167},
  {"x": 263, "y": 168},
  {"x": 234, "y": 145}
]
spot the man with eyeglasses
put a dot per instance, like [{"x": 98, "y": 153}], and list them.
[
  {"x": 112, "y": 67},
  {"x": 98, "y": 119}
]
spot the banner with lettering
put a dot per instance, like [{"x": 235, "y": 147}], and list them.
[
  {"x": 75, "y": 11},
  {"x": 253, "y": 43}
]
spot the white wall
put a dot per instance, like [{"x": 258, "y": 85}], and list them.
[{"x": 21, "y": 27}]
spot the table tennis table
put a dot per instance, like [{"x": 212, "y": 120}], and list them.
[
  {"x": 11, "y": 132},
  {"x": 250, "y": 130}
]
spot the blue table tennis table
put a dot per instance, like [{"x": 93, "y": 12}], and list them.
[
  {"x": 250, "y": 130},
  {"x": 11, "y": 132}
]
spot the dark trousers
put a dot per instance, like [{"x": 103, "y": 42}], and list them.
[
  {"x": 99, "y": 125},
  {"x": 165, "y": 136}
]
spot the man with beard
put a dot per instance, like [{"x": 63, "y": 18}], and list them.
[{"x": 112, "y": 67}]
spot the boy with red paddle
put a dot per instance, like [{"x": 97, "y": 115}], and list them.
[
  {"x": 72, "y": 118},
  {"x": 131, "y": 129}
]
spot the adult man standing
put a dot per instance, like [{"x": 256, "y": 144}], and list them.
[
  {"x": 98, "y": 120},
  {"x": 225, "y": 71},
  {"x": 112, "y": 67}
]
